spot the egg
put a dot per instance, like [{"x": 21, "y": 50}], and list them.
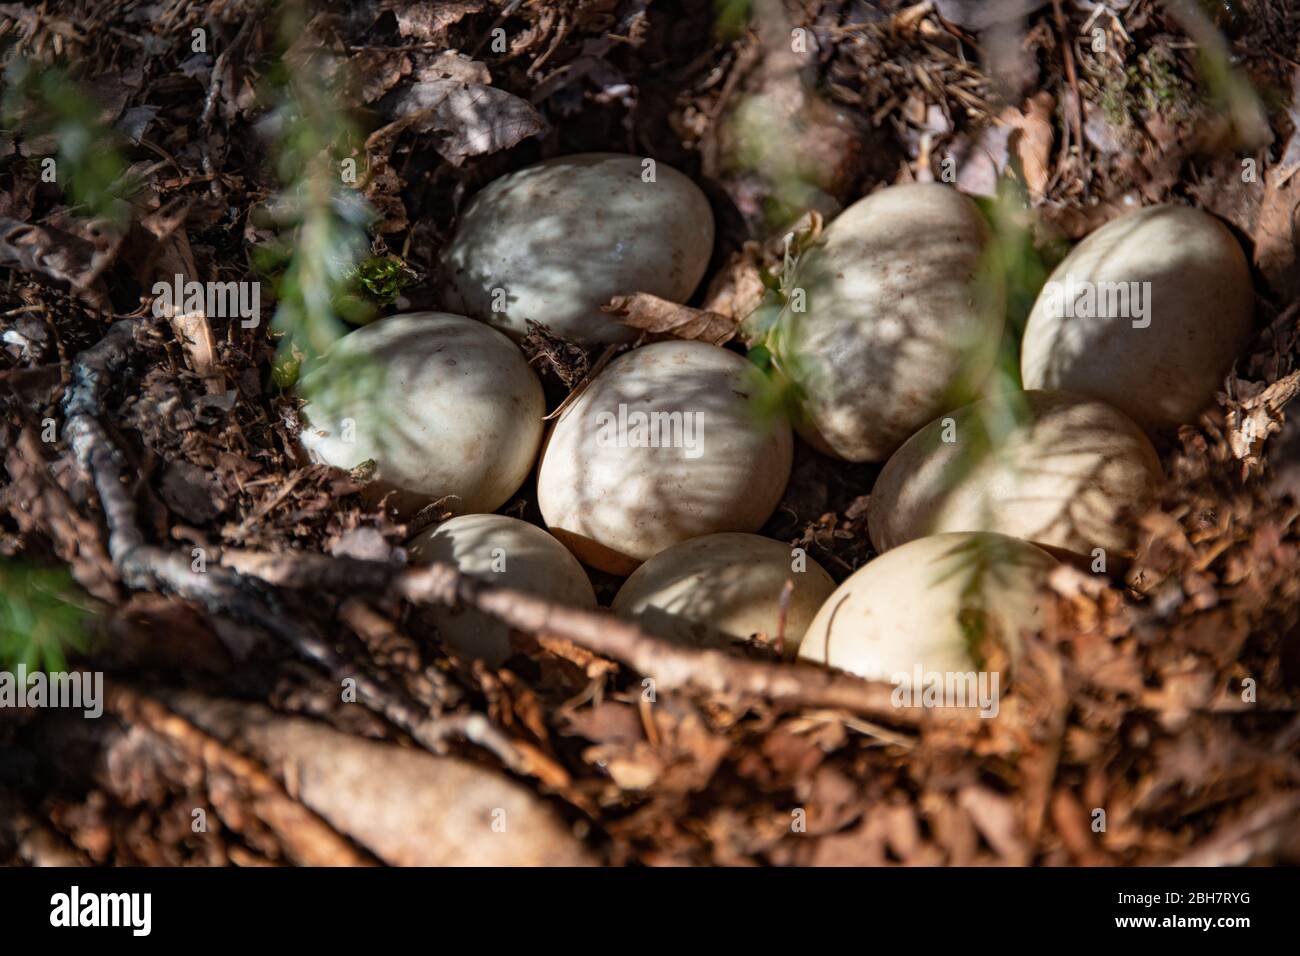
[
  {"x": 892, "y": 318},
  {"x": 556, "y": 241},
  {"x": 946, "y": 604},
  {"x": 1060, "y": 470},
  {"x": 663, "y": 445},
  {"x": 719, "y": 588},
  {"x": 505, "y": 551},
  {"x": 445, "y": 407},
  {"x": 1147, "y": 313}
]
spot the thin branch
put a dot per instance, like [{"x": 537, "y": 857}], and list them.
[{"x": 669, "y": 665}]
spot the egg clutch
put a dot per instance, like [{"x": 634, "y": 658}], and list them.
[{"x": 662, "y": 470}]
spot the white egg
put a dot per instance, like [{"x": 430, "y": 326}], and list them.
[
  {"x": 1059, "y": 470},
  {"x": 893, "y": 317},
  {"x": 445, "y": 407},
  {"x": 504, "y": 551},
  {"x": 718, "y": 588},
  {"x": 556, "y": 241},
  {"x": 664, "y": 445},
  {"x": 946, "y": 604},
  {"x": 1148, "y": 314}
]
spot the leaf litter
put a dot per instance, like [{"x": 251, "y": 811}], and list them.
[{"x": 1133, "y": 704}]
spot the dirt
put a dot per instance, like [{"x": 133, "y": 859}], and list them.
[{"x": 1159, "y": 723}]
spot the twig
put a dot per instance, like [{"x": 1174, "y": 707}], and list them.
[
  {"x": 668, "y": 664},
  {"x": 1076, "y": 111}
]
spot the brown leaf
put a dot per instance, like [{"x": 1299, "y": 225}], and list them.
[
  {"x": 737, "y": 289},
  {"x": 376, "y": 72},
  {"x": 174, "y": 257},
  {"x": 56, "y": 253},
  {"x": 470, "y": 119},
  {"x": 192, "y": 493},
  {"x": 450, "y": 65},
  {"x": 1034, "y": 142},
  {"x": 996, "y": 818},
  {"x": 649, "y": 313},
  {"x": 429, "y": 21},
  {"x": 1275, "y": 234},
  {"x": 1255, "y": 413}
]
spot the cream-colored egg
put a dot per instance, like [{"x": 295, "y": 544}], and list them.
[
  {"x": 663, "y": 445},
  {"x": 442, "y": 404},
  {"x": 946, "y": 604},
  {"x": 556, "y": 241},
  {"x": 504, "y": 551},
  {"x": 892, "y": 319},
  {"x": 1148, "y": 314},
  {"x": 719, "y": 588},
  {"x": 1059, "y": 470}
]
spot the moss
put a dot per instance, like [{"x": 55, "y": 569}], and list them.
[
  {"x": 1152, "y": 85},
  {"x": 382, "y": 278}
]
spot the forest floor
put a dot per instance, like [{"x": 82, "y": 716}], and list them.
[{"x": 1159, "y": 722}]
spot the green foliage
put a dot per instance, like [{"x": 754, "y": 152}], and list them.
[
  {"x": 1016, "y": 263},
  {"x": 40, "y": 619},
  {"x": 732, "y": 18},
  {"x": 319, "y": 263},
  {"x": 981, "y": 562},
  {"x": 41, "y": 100},
  {"x": 383, "y": 278}
]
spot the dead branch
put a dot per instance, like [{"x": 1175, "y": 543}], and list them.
[
  {"x": 668, "y": 665},
  {"x": 671, "y": 666}
]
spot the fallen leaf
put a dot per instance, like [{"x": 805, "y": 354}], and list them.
[
  {"x": 1254, "y": 413},
  {"x": 1033, "y": 142},
  {"x": 54, "y": 252},
  {"x": 470, "y": 119},
  {"x": 376, "y": 72},
  {"x": 649, "y": 313},
  {"x": 192, "y": 492},
  {"x": 429, "y": 21}
]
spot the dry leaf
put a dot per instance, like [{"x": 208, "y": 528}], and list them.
[
  {"x": 430, "y": 21},
  {"x": 1034, "y": 141},
  {"x": 649, "y": 313},
  {"x": 174, "y": 257},
  {"x": 1254, "y": 413},
  {"x": 375, "y": 72},
  {"x": 471, "y": 119}
]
